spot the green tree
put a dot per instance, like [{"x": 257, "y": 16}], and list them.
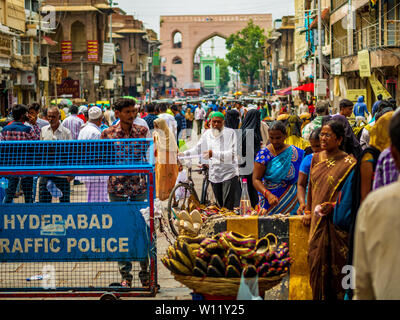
[
  {"x": 224, "y": 76},
  {"x": 246, "y": 51}
]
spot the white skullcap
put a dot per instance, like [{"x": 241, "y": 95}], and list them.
[{"x": 95, "y": 113}]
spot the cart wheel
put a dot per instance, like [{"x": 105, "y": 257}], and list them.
[{"x": 108, "y": 296}]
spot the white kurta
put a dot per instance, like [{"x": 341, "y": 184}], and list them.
[
  {"x": 96, "y": 186},
  {"x": 223, "y": 164}
]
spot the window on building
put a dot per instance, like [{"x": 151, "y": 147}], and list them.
[
  {"x": 25, "y": 48},
  {"x": 78, "y": 36},
  {"x": 177, "y": 40},
  {"x": 177, "y": 60},
  {"x": 208, "y": 73}
]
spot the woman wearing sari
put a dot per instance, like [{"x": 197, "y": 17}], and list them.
[
  {"x": 166, "y": 151},
  {"x": 276, "y": 170},
  {"x": 328, "y": 245}
]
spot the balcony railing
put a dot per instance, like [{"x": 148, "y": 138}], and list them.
[{"x": 367, "y": 37}]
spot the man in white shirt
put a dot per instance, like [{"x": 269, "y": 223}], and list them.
[
  {"x": 219, "y": 145},
  {"x": 376, "y": 238},
  {"x": 54, "y": 131},
  {"x": 303, "y": 108},
  {"x": 199, "y": 116},
  {"x": 96, "y": 186},
  {"x": 171, "y": 122},
  {"x": 73, "y": 122}
]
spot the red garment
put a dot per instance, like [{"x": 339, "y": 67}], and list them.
[
  {"x": 82, "y": 116},
  {"x": 311, "y": 109},
  {"x": 143, "y": 114}
]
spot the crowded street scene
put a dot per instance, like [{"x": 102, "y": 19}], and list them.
[{"x": 228, "y": 151}]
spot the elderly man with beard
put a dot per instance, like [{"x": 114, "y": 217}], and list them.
[{"x": 219, "y": 145}]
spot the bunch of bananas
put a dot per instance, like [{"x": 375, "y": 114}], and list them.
[{"x": 227, "y": 254}]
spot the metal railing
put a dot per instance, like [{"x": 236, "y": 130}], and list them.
[{"x": 367, "y": 37}]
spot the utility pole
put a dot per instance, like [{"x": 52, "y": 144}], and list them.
[
  {"x": 82, "y": 80},
  {"x": 39, "y": 51},
  {"x": 320, "y": 75}
]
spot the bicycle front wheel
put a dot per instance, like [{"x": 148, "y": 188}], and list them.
[{"x": 180, "y": 199}]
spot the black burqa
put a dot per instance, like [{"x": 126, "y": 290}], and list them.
[
  {"x": 251, "y": 125},
  {"x": 232, "y": 119}
]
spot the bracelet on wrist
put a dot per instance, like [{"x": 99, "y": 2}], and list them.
[{"x": 265, "y": 193}]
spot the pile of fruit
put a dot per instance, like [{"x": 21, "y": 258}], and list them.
[{"x": 228, "y": 254}]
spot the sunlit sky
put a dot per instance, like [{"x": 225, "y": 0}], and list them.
[{"x": 149, "y": 11}]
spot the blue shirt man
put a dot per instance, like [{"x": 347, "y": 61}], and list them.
[
  {"x": 376, "y": 104},
  {"x": 360, "y": 108}
]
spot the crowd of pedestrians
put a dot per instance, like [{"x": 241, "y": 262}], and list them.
[{"x": 338, "y": 171}]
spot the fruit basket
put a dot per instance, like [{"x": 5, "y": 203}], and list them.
[
  {"x": 225, "y": 286},
  {"x": 215, "y": 265}
]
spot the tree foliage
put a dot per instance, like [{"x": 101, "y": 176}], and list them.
[
  {"x": 246, "y": 51},
  {"x": 224, "y": 76}
]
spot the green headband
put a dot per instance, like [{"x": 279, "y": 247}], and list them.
[{"x": 217, "y": 114}]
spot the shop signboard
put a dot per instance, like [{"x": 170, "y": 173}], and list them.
[
  {"x": 69, "y": 87},
  {"x": 28, "y": 79},
  {"x": 364, "y": 64},
  {"x": 353, "y": 94},
  {"x": 66, "y": 51}
]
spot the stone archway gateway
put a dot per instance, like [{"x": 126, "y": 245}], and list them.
[{"x": 194, "y": 30}]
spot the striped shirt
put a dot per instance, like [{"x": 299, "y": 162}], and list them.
[
  {"x": 386, "y": 171},
  {"x": 73, "y": 123}
]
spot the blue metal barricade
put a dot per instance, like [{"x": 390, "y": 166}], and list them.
[{"x": 83, "y": 238}]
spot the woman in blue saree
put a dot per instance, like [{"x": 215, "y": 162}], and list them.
[{"x": 276, "y": 170}]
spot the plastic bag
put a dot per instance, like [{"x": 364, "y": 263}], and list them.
[
  {"x": 54, "y": 191},
  {"x": 248, "y": 289}
]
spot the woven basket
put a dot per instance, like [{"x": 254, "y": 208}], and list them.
[{"x": 225, "y": 286}]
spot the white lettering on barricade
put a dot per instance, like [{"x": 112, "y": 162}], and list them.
[
  {"x": 82, "y": 222},
  {"x": 49, "y": 234},
  {"x": 46, "y": 245}
]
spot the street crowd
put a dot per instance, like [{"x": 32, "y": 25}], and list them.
[{"x": 338, "y": 171}]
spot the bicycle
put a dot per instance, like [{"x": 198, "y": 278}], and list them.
[{"x": 184, "y": 194}]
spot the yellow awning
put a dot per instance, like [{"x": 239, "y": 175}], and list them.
[
  {"x": 69, "y": 8},
  {"x": 131, "y": 31}
]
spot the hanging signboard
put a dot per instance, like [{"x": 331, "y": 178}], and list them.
[
  {"x": 93, "y": 50},
  {"x": 66, "y": 51},
  {"x": 363, "y": 63},
  {"x": 336, "y": 66},
  {"x": 108, "y": 53},
  {"x": 96, "y": 77}
]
